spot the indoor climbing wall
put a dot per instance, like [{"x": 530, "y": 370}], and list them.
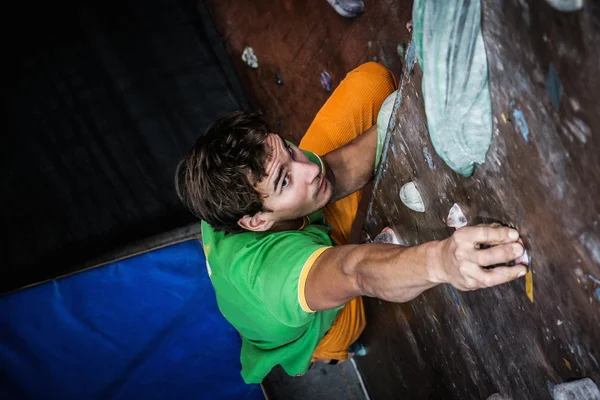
[{"x": 541, "y": 174}]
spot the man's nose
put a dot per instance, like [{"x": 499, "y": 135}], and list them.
[{"x": 311, "y": 172}]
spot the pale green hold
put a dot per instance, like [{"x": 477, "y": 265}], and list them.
[
  {"x": 451, "y": 53},
  {"x": 411, "y": 198},
  {"x": 383, "y": 123},
  {"x": 566, "y": 5}
]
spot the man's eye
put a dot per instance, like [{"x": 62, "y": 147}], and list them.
[
  {"x": 285, "y": 182},
  {"x": 290, "y": 149}
]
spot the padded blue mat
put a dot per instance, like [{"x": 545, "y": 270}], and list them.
[{"x": 147, "y": 327}]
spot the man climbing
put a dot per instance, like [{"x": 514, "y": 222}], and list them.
[{"x": 276, "y": 223}]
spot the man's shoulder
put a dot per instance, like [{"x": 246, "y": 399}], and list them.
[{"x": 253, "y": 249}]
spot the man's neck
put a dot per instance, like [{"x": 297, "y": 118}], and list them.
[{"x": 290, "y": 225}]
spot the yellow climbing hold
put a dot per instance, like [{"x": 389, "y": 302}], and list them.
[
  {"x": 529, "y": 285},
  {"x": 567, "y": 363},
  {"x": 503, "y": 117}
]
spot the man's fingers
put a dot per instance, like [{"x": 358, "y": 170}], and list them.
[
  {"x": 500, "y": 254},
  {"x": 500, "y": 275},
  {"x": 491, "y": 235}
]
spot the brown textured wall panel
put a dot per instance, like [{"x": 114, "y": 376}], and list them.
[{"x": 469, "y": 345}]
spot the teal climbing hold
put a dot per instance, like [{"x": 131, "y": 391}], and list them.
[{"x": 451, "y": 53}]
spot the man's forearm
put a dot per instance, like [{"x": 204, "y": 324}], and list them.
[
  {"x": 351, "y": 166},
  {"x": 397, "y": 274},
  {"x": 385, "y": 271},
  {"x": 394, "y": 273}
]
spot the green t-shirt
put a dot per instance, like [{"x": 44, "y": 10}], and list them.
[{"x": 259, "y": 282}]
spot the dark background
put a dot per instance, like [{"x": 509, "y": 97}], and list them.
[{"x": 100, "y": 102}]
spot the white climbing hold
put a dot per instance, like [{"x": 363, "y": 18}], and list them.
[
  {"x": 387, "y": 235},
  {"x": 249, "y": 57},
  {"x": 383, "y": 122},
  {"x": 566, "y": 5},
  {"x": 456, "y": 218},
  {"x": 410, "y": 196},
  {"x": 524, "y": 259},
  {"x": 385, "y": 112},
  {"x": 582, "y": 389}
]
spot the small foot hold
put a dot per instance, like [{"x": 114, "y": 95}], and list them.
[
  {"x": 576, "y": 390},
  {"x": 347, "y": 8},
  {"x": 411, "y": 198},
  {"x": 525, "y": 259},
  {"x": 387, "y": 235},
  {"x": 249, "y": 57},
  {"x": 326, "y": 81},
  {"x": 356, "y": 349},
  {"x": 456, "y": 218},
  {"x": 497, "y": 396}
]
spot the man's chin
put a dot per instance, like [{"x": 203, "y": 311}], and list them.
[{"x": 327, "y": 195}]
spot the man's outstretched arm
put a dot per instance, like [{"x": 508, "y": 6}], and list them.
[
  {"x": 351, "y": 166},
  {"x": 399, "y": 274}
]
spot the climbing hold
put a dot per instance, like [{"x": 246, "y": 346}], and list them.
[
  {"x": 401, "y": 50},
  {"x": 451, "y": 52},
  {"x": 326, "y": 81},
  {"x": 566, "y": 5},
  {"x": 497, "y": 396},
  {"x": 383, "y": 122},
  {"x": 456, "y": 218},
  {"x": 428, "y": 157},
  {"x": 387, "y": 235},
  {"x": 554, "y": 87},
  {"x": 278, "y": 80},
  {"x": 249, "y": 57},
  {"x": 529, "y": 285},
  {"x": 519, "y": 121},
  {"x": 525, "y": 259},
  {"x": 576, "y": 390},
  {"x": 410, "y": 196},
  {"x": 348, "y": 8}
]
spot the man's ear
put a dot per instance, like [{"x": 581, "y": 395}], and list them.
[{"x": 256, "y": 222}]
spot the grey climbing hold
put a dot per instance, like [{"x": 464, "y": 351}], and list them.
[
  {"x": 450, "y": 50},
  {"x": 383, "y": 122},
  {"x": 411, "y": 198},
  {"x": 348, "y": 8},
  {"x": 566, "y": 5},
  {"x": 456, "y": 218},
  {"x": 401, "y": 50},
  {"x": 519, "y": 121},
  {"x": 326, "y": 81},
  {"x": 582, "y": 389},
  {"x": 554, "y": 87},
  {"x": 278, "y": 80},
  {"x": 497, "y": 396},
  {"x": 387, "y": 235},
  {"x": 249, "y": 57}
]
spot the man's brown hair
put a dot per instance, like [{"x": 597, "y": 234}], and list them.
[{"x": 216, "y": 179}]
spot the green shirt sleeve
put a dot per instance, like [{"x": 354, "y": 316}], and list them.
[{"x": 282, "y": 262}]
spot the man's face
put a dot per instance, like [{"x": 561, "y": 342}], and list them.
[{"x": 294, "y": 186}]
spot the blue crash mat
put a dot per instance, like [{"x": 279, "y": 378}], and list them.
[{"x": 147, "y": 327}]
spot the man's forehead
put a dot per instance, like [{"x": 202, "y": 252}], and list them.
[{"x": 271, "y": 143}]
